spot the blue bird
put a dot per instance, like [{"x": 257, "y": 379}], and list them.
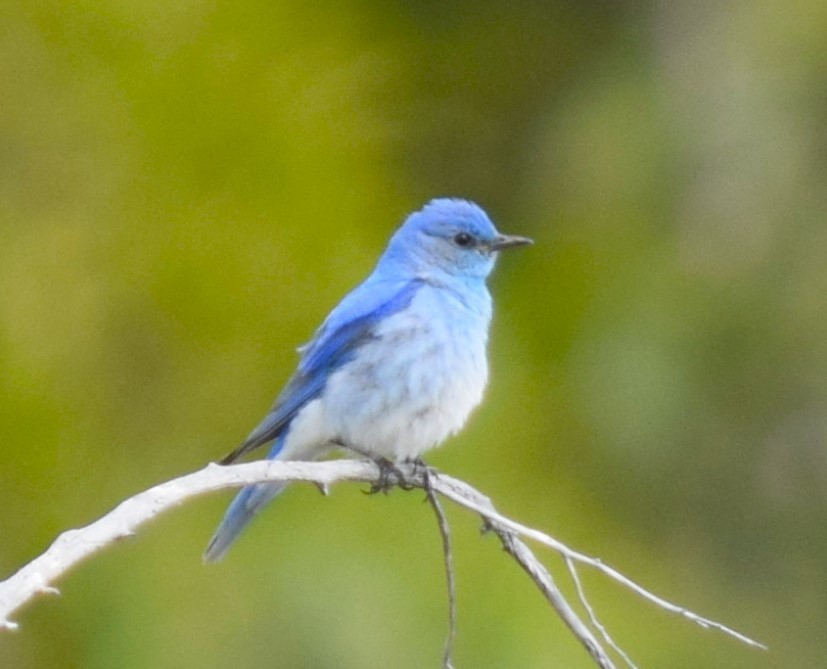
[{"x": 397, "y": 366}]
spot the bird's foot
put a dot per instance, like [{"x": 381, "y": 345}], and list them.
[
  {"x": 420, "y": 469},
  {"x": 419, "y": 466},
  {"x": 389, "y": 476}
]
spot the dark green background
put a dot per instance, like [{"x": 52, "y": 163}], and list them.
[{"x": 186, "y": 188}]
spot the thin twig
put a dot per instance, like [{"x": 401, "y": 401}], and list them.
[
  {"x": 541, "y": 576},
  {"x": 73, "y": 546},
  {"x": 463, "y": 494},
  {"x": 581, "y": 594},
  {"x": 450, "y": 578}
]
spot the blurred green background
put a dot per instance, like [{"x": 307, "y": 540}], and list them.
[{"x": 186, "y": 188}]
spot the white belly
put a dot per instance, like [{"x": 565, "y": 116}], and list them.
[{"x": 414, "y": 385}]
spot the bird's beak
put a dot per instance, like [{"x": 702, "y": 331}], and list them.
[{"x": 501, "y": 242}]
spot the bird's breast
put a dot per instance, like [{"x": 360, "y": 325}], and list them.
[{"x": 416, "y": 381}]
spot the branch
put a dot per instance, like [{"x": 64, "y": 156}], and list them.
[
  {"x": 540, "y": 575},
  {"x": 463, "y": 494},
  {"x": 73, "y": 546},
  {"x": 450, "y": 580},
  {"x": 581, "y": 593}
]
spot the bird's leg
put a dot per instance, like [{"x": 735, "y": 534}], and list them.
[
  {"x": 427, "y": 473},
  {"x": 419, "y": 468},
  {"x": 389, "y": 476},
  {"x": 419, "y": 464}
]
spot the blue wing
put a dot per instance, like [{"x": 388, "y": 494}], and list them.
[{"x": 348, "y": 326}]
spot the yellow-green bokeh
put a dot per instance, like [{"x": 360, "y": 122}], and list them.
[{"x": 187, "y": 188}]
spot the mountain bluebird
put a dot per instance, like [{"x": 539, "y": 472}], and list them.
[{"x": 398, "y": 365}]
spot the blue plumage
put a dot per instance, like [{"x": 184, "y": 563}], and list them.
[{"x": 398, "y": 365}]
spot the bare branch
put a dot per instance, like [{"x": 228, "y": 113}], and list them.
[
  {"x": 73, "y": 546},
  {"x": 581, "y": 593},
  {"x": 540, "y": 575},
  {"x": 463, "y": 494},
  {"x": 450, "y": 579}
]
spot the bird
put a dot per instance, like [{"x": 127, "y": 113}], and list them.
[{"x": 397, "y": 367}]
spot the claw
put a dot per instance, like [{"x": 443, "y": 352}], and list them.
[{"x": 389, "y": 476}]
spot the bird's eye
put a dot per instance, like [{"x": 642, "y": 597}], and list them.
[{"x": 463, "y": 239}]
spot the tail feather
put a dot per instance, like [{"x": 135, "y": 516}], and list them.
[
  {"x": 244, "y": 507},
  {"x": 241, "y": 511}
]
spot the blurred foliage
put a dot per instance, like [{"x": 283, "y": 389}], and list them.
[{"x": 187, "y": 188}]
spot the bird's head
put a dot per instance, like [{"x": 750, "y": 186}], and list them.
[{"x": 450, "y": 236}]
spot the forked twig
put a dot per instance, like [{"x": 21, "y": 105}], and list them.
[
  {"x": 581, "y": 594},
  {"x": 541, "y": 576},
  {"x": 450, "y": 578},
  {"x": 463, "y": 494},
  {"x": 73, "y": 546}
]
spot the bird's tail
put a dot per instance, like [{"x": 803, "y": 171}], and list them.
[{"x": 241, "y": 511}]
